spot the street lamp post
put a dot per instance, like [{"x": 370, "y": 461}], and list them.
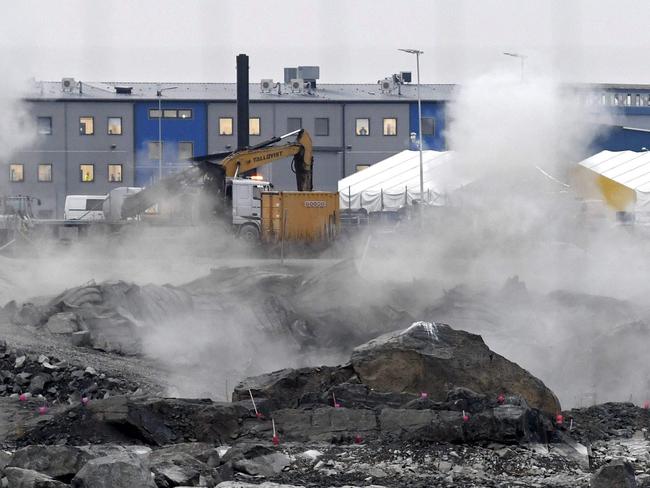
[
  {"x": 160, "y": 149},
  {"x": 417, "y": 58},
  {"x": 521, "y": 58}
]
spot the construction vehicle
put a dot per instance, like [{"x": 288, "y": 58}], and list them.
[{"x": 302, "y": 215}]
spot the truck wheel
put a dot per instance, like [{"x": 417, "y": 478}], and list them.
[{"x": 250, "y": 233}]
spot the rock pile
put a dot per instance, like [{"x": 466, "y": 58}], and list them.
[
  {"x": 104, "y": 316},
  {"x": 53, "y": 380}
]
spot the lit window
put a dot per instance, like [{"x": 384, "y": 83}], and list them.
[
  {"x": 170, "y": 113},
  {"x": 115, "y": 173},
  {"x": 254, "y": 126},
  {"x": 16, "y": 173},
  {"x": 45, "y": 172},
  {"x": 361, "y": 167},
  {"x": 185, "y": 150},
  {"x": 225, "y": 126},
  {"x": 44, "y": 125},
  {"x": 390, "y": 127},
  {"x": 154, "y": 150},
  {"x": 86, "y": 126},
  {"x": 115, "y": 126},
  {"x": 185, "y": 113},
  {"x": 428, "y": 126},
  {"x": 87, "y": 172},
  {"x": 628, "y": 99},
  {"x": 362, "y": 127},
  {"x": 322, "y": 126},
  {"x": 154, "y": 113},
  {"x": 294, "y": 123}
]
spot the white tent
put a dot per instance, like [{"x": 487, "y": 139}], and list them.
[
  {"x": 395, "y": 182},
  {"x": 627, "y": 168}
]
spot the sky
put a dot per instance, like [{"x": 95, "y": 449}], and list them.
[{"x": 352, "y": 41}]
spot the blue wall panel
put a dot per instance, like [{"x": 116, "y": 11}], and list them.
[
  {"x": 174, "y": 130},
  {"x": 619, "y": 139},
  {"x": 429, "y": 109}
]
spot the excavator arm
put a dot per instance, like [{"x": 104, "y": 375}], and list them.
[
  {"x": 255, "y": 157},
  {"x": 215, "y": 168}
]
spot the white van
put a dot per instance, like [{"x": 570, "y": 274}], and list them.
[{"x": 84, "y": 207}]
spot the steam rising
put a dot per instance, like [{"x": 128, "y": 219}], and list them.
[{"x": 517, "y": 142}]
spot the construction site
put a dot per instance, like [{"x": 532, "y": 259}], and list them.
[{"x": 381, "y": 292}]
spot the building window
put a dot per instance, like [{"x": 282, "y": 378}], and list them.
[
  {"x": 362, "y": 127},
  {"x": 294, "y": 123},
  {"x": 16, "y": 173},
  {"x": 185, "y": 150},
  {"x": 44, "y": 125},
  {"x": 86, "y": 126},
  {"x": 254, "y": 126},
  {"x": 115, "y": 126},
  {"x": 225, "y": 126},
  {"x": 87, "y": 172},
  {"x": 361, "y": 167},
  {"x": 170, "y": 113},
  {"x": 154, "y": 150},
  {"x": 115, "y": 173},
  {"x": 628, "y": 99},
  {"x": 154, "y": 113},
  {"x": 185, "y": 113},
  {"x": 638, "y": 100},
  {"x": 616, "y": 102},
  {"x": 390, "y": 127},
  {"x": 428, "y": 126},
  {"x": 603, "y": 99},
  {"x": 45, "y": 172},
  {"x": 322, "y": 126}
]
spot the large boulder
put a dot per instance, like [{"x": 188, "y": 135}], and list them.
[
  {"x": 54, "y": 461},
  {"x": 121, "y": 471},
  {"x": 133, "y": 419},
  {"x": 256, "y": 460},
  {"x": 26, "y": 478},
  {"x": 434, "y": 358},
  {"x": 617, "y": 474}
]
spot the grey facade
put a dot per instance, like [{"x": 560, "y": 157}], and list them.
[
  {"x": 66, "y": 149},
  {"x": 339, "y": 150}
]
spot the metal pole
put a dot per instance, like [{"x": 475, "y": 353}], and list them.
[
  {"x": 417, "y": 57},
  {"x": 159, "y": 135}
]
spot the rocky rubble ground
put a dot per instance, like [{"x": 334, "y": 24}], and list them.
[
  {"x": 329, "y": 426},
  {"x": 54, "y": 381}
]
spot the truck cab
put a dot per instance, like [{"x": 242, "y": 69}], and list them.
[{"x": 246, "y": 196}]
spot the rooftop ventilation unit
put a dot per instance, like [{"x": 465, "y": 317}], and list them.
[
  {"x": 266, "y": 85},
  {"x": 123, "y": 90},
  {"x": 405, "y": 76},
  {"x": 290, "y": 74},
  {"x": 68, "y": 85},
  {"x": 297, "y": 85},
  {"x": 387, "y": 85}
]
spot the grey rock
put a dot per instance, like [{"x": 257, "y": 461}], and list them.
[
  {"x": 22, "y": 379},
  {"x": 26, "y": 478},
  {"x": 120, "y": 471},
  {"x": 325, "y": 424},
  {"x": 287, "y": 388},
  {"x": 256, "y": 460},
  {"x": 617, "y": 474},
  {"x": 172, "y": 469},
  {"x": 63, "y": 323},
  {"x": 435, "y": 358},
  {"x": 38, "y": 383},
  {"x": 54, "y": 461}
]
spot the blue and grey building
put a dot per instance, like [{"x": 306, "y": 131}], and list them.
[{"x": 93, "y": 136}]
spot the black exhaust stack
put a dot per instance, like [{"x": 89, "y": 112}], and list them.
[{"x": 242, "y": 101}]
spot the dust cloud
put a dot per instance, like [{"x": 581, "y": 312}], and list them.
[{"x": 574, "y": 316}]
